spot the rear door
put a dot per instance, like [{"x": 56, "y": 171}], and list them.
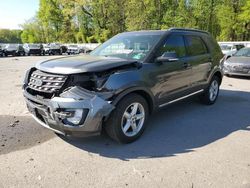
[{"x": 199, "y": 59}]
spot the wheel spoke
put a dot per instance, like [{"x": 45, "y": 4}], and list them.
[
  {"x": 127, "y": 126},
  {"x": 127, "y": 115},
  {"x": 139, "y": 116},
  {"x": 134, "y": 109},
  {"x": 134, "y": 127},
  {"x": 214, "y": 86},
  {"x": 211, "y": 95},
  {"x": 211, "y": 90}
]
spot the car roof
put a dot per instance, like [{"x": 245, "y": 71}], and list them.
[{"x": 161, "y": 32}]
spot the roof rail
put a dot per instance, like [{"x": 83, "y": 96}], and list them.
[{"x": 188, "y": 29}]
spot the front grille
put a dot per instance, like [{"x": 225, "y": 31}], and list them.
[
  {"x": 246, "y": 67},
  {"x": 243, "y": 69},
  {"x": 47, "y": 83}
]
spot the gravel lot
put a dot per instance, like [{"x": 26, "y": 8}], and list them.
[{"x": 185, "y": 145}]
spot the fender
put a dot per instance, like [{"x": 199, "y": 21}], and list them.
[
  {"x": 215, "y": 70},
  {"x": 142, "y": 90}
]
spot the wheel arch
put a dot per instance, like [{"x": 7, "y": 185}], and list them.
[
  {"x": 147, "y": 95},
  {"x": 219, "y": 75}
]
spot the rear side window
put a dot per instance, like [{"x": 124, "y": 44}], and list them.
[
  {"x": 174, "y": 43},
  {"x": 195, "y": 46}
]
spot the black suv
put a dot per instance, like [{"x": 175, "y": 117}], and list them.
[
  {"x": 9, "y": 49},
  {"x": 122, "y": 81},
  {"x": 1, "y": 51}
]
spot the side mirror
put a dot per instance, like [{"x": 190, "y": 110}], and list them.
[{"x": 167, "y": 57}]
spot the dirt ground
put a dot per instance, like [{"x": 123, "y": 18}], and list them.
[{"x": 185, "y": 145}]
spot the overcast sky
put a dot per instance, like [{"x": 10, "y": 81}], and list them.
[{"x": 15, "y": 12}]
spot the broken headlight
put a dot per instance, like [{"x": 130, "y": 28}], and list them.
[{"x": 77, "y": 117}]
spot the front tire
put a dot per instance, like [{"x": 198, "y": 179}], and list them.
[
  {"x": 127, "y": 122},
  {"x": 210, "y": 95}
]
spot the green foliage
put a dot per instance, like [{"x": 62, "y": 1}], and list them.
[
  {"x": 142, "y": 15},
  {"x": 244, "y": 19},
  {"x": 228, "y": 13},
  {"x": 32, "y": 31},
  {"x": 10, "y": 36},
  {"x": 98, "y": 20}
]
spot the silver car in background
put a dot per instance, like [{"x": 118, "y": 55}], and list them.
[
  {"x": 238, "y": 64},
  {"x": 73, "y": 49},
  {"x": 230, "y": 49}
]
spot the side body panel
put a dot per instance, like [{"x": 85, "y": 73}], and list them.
[{"x": 169, "y": 81}]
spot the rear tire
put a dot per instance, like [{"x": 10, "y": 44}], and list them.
[
  {"x": 127, "y": 122},
  {"x": 211, "y": 93}
]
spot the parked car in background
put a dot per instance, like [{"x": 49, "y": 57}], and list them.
[
  {"x": 20, "y": 50},
  {"x": 33, "y": 49},
  {"x": 122, "y": 81},
  {"x": 53, "y": 49},
  {"x": 230, "y": 49},
  {"x": 10, "y": 49},
  {"x": 64, "y": 49},
  {"x": 73, "y": 49},
  {"x": 238, "y": 64},
  {"x": 46, "y": 48},
  {"x": 84, "y": 50},
  {"x": 1, "y": 50},
  {"x": 13, "y": 50}
]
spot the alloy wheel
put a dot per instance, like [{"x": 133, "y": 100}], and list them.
[
  {"x": 133, "y": 119},
  {"x": 213, "y": 90}
]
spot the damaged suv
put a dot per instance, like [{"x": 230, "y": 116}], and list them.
[{"x": 123, "y": 81}]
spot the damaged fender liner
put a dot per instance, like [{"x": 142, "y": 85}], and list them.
[{"x": 48, "y": 112}]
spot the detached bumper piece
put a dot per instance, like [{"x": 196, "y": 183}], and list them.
[{"x": 77, "y": 112}]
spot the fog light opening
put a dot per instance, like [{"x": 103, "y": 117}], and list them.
[{"x": 77, "y": 117}]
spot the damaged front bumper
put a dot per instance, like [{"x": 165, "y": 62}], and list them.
[{"x": 77, "y": 112}]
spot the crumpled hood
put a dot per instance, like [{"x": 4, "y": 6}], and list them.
[
  {"x": 81, "y": 64},
  {"x": 238, "y": 60}
]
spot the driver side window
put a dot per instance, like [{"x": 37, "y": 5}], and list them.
[{"x": 174, "y": 44}]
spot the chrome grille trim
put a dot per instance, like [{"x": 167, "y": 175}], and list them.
[{"x": 46, "y": 82}]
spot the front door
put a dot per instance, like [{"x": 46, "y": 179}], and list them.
[{"x": 173, "y": 76}]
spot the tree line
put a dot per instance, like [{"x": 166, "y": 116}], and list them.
[
  {"x": 97, "y": 20},
  {"x": 10, "y": 36}
]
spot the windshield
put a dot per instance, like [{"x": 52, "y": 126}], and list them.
[
  {"x": 11, "y": 46},
  {"x": 243, "y": 52},
  {"x": 55, "y": 46},
  {"x": 34, "y": 45},
  {"x": 134, "y": 47}
]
